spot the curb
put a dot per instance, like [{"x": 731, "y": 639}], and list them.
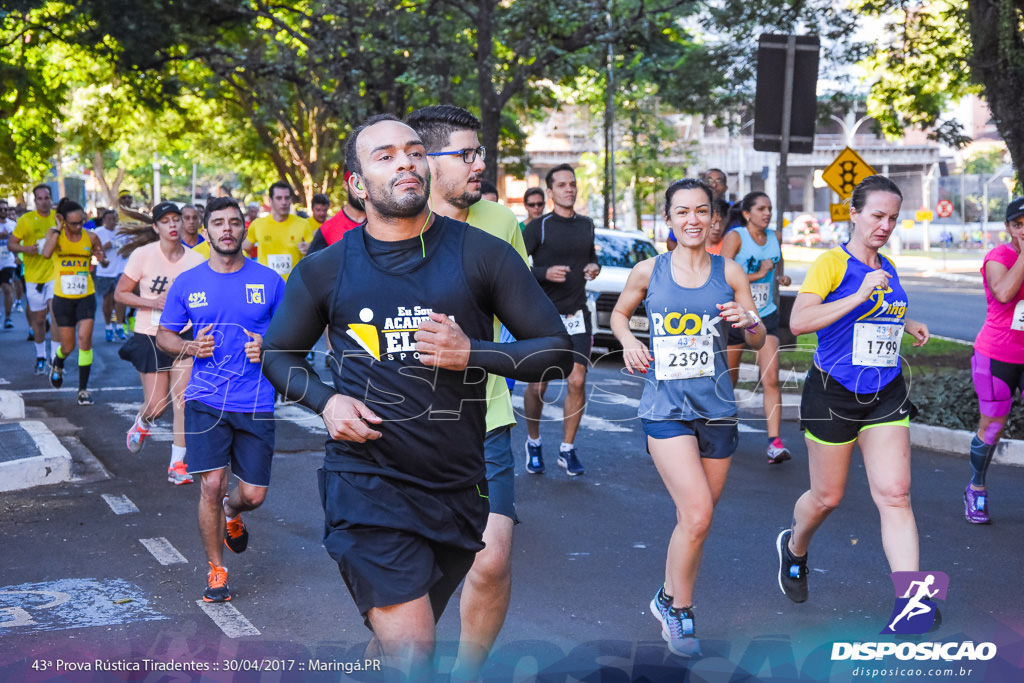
[
  {"x": 12, "y": 406},
  {"x": 51, "y": 466}
]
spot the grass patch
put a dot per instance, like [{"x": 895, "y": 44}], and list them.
[{"x": 938, "y": 375}]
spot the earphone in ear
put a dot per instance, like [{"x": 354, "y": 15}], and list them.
[{"x": 358, "y": 183}]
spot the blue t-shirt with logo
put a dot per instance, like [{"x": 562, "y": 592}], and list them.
[{"x": 233, "y": 303}]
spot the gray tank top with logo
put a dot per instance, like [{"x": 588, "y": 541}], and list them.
[{"x": 689, "y": 377}]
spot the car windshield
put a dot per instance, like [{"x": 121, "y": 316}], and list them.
[{"x": 622, "y": 252}]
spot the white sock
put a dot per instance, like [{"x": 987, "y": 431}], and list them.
[
  {"x": 565, "y": 447},
  {"x": 177, "y": 454},
  {"x": 41, "y": 350},
  {"x": 533, "y": 442}
]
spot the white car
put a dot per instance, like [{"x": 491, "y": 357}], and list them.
[{"x": 617, "y": 253}]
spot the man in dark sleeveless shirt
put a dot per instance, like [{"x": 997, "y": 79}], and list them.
[{"x": 409, "y": 301}]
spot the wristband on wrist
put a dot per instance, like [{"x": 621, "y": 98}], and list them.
[{"x": 757, "y": 321}]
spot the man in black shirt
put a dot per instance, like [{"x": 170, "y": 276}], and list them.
[
  {"x": 564, "y": 259},
  {"x": 409, "y": 301}
]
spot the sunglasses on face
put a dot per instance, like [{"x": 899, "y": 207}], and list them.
[
  {"x": 535, "y": 205},
  {"x": 469, "y": 154}
]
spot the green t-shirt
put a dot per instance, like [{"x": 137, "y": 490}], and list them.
[{"x": 499, "y": 221}]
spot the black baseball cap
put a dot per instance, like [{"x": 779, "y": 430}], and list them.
[
  {"x": 164, "y": 208},
  {"x": 1015, "y": 209}
]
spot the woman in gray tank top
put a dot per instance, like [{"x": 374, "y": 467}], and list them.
[{"x": 693, "y": 298}]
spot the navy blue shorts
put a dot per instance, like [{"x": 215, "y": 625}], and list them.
[
  {"x": 216, "y": 439},
  {"x": 716, "y": 439},
  {"x": 501, "y": 475},
  {"x": 395, "y": 542},
  {"x": 771, "y": 326}
]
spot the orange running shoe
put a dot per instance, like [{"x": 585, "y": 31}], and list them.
[{"x": 217, "y": 585}]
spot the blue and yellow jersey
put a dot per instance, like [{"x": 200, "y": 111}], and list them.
[{"x": 862, "y": 349}]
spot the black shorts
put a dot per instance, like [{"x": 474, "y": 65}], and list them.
[
  {"x": 395, "y": 542},
  {"x": 69, "y": 312},
  {"x": 832, "y": 414},
  {"x": 6, "y": 275},
  {"x": 141, "y": 351},
  {"x": 584, "y": 341},
  {"x": 771, "y": 326}
]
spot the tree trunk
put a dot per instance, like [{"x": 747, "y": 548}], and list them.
[
  {"x": 110, "y": 191},
  {"x": 998, "y": 64},
  {"x": 490, "y": 102}
]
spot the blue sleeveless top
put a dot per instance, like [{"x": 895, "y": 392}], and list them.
[
  {"x": 689, "y": 378},
  {"x": 749, "y": 257}
]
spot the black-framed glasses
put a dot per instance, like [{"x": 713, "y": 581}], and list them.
[
  {"x": 469, "y": 154},
  {"x": 535, "y": 205}
]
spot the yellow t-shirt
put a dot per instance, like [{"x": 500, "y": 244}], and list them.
[
  {"x": 203, "y": 249},
  {"x": 499, "y": 221},
  {"x": 278, "y": 242},
  {"x": 31, "y": 229},
  {"x": 71, "y": 262}
]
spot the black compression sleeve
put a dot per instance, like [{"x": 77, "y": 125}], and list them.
[
  {"x": 295, "y": 328},
  {"x": 497, "y": 272},
  {"x": 319, "y": 242},
  {"x": 531, "y": 241}
]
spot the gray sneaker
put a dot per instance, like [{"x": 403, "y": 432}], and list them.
[
  {"x": 682, "y": 633},
  {"x": 660, "y": 606}
]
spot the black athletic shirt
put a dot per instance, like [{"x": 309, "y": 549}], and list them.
[
  {"x": 372, "y": 296},
  {"x": 556, "y": 241}
]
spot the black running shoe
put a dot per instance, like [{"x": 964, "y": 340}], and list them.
[
  {"x": 236, "y": 536},
  {"x": 56, "y": 376},
  {"x": 792, "y": 569}
]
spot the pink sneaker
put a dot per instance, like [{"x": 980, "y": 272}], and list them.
[
  {"x": 178, "y": 474},
  {"x": 136, "y": 436},
  {"x": 777, "y": 452}
]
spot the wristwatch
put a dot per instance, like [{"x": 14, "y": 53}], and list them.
[{"x": 757, "y": 321}]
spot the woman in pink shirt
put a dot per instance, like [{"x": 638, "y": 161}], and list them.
[
  {"x": 998, "y": 363},
  {"x": 151, "y": 269}
]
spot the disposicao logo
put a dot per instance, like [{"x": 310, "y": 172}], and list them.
[{"x": 914, "y": 612}]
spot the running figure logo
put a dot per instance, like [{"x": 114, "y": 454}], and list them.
[{"x": 914, "y": 610}]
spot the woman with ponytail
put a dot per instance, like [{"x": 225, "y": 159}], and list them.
[{"x": 72, "y": 249}]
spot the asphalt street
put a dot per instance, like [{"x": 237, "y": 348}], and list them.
[{"x": 107, "y": 571}]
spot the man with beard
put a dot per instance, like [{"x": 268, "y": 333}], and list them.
[
  {"x": 229, "y": 409},
  {"x": 403, "y": 483},
  {"x": 456, "y": 161}
]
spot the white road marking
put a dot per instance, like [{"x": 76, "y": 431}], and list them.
[
  {"x": 228, "y": 619},
  {"x": 554, "y": 413},
  {"x": 744, "y": 427},
  {"x": 94, "y": 390},
  {"x": 121, "y": 505},
  {"x": 161, "y": 430},
  {"x": 298, "y": 415},
  {"x": 163, "y": 551}
]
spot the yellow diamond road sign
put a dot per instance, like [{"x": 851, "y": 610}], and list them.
[{"x": 843, "y": 174}]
